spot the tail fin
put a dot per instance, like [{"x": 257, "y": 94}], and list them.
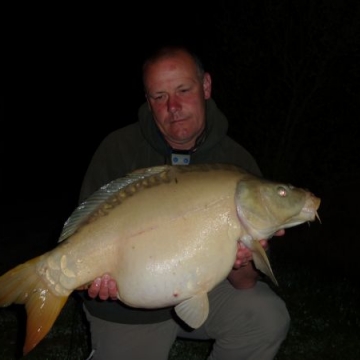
[{"x": 22, "y": 285}]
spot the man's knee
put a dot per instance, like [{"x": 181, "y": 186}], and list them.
[
  {"x": 247, "y": 324},
  {"x": 255, "y": 311},
  {"x": 266, "y": 314},
  {"x": 274, "y": 320}
]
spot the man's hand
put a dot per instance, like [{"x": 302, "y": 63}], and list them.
[
  {"x": 244, "y": 255},
  {"x": 244, "y": 275},
  {"x": 103, "y": 287}
]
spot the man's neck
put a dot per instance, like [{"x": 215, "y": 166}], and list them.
[
  {"x": 191, "y": 145},
  {"x": 184, "y": 147}
]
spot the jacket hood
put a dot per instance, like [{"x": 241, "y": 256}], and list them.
[{"x": 216, "y": 128}]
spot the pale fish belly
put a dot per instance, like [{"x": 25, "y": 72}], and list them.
[{"x": 180, "y": 258}]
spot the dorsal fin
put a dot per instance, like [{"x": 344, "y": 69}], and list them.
[{"x": 95, "y": 204}]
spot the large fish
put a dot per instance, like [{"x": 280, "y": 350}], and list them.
[{"x": 167, "y": 234}]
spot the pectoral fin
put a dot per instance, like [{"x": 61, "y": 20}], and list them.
[
  {"x": 194, "y": 311},
  {"x": 261, "y": 260}
]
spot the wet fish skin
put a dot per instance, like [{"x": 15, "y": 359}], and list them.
[{"x": 167, "y": 234}]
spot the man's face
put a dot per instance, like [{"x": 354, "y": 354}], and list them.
[{"x": 176, "y": 96}]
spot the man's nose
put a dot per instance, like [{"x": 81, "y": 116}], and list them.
[{"x": 173, "y": 104}]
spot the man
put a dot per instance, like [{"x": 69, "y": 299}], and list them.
[{"x": 180, "y": 124}]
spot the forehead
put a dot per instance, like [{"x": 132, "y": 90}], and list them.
[{"x": 171, "y": 69}]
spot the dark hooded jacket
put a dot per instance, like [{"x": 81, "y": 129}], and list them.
[{"x": 140, "y": 145}]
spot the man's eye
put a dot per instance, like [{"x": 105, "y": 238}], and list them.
[{"x": 159, "y": 97}]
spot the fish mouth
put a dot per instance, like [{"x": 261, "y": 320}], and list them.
[
  {"x": 310, "y": 208},
  {"x": 308, "y": 212}
]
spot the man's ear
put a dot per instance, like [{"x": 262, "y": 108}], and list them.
[{"x": 207, "y": 85}]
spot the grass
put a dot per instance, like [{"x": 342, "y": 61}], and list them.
[
  {"x": 325, "y": 317},
  {"x": 325, "y": 323}
]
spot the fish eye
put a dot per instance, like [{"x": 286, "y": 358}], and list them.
[{"x": 281, "y": 190}]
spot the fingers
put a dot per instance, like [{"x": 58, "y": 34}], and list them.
[
  {"x": 94, "y": 288},
  {"x": 243, "y": 256},
  {"x": 280, "y": 232},
  {"x": 112, "y": 289},
  {"x": 264, "y": 244},
  {"x": 105, "y": 288}
]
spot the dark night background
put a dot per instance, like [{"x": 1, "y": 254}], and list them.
[{"x": 285, "y": 73}]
